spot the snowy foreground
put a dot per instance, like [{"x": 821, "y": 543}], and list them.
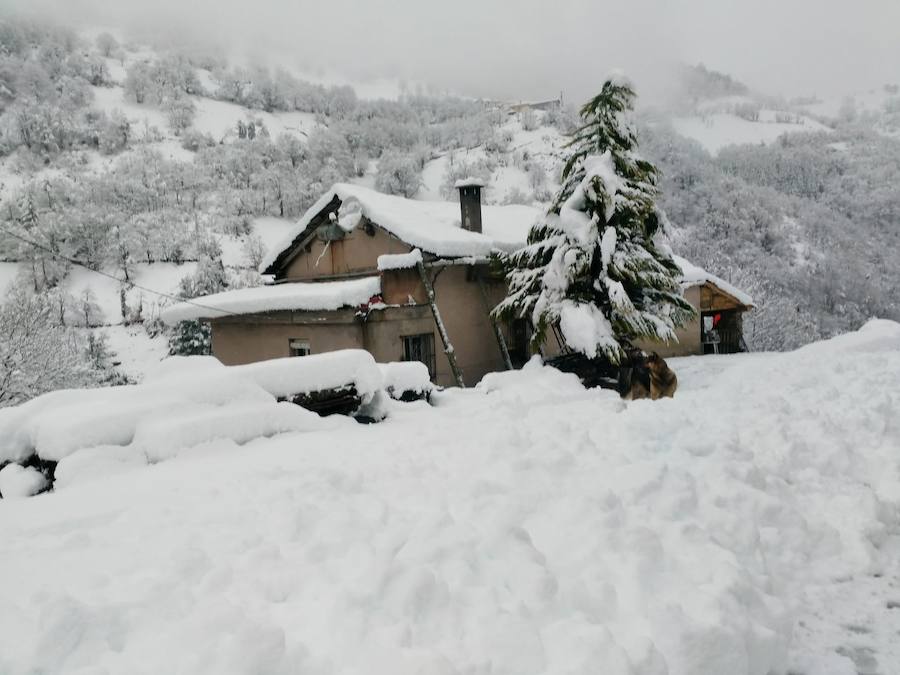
[{"x": 748, "y": 526}]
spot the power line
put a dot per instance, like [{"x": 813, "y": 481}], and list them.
[{"x": 79, "y": 263}]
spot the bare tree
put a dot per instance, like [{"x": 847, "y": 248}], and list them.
[
  {"x": 37, "y": 353},
  {"x": 107, "y": 44}
]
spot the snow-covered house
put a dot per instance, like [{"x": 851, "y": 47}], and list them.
[
  {"x": 403, "y": 279},
  {"x": 523, "y": 106}
]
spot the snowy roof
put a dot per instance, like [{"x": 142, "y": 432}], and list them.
[
  {"x": 468, "y": 182},
  {"x": 546, "y": 101},
  {"x": 434, "y": 227},
  {"x": 399, "y": 261},
  {"x": 310, "y": 296},
  {"x": 697, "y": 276}
]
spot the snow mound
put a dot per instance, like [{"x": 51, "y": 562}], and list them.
[
  {"x": 97, "y": 463},
  {"x": 877, "y": 336},
  {"x": 316, "y": 372},
  {"x": 186, "y": 402},
  {"x": 20, "y": 481},
  {"x": 536, "y": 384},
  {"x": 405, "y": 376},
  {"x": 59, "y": 423},
  {"x": 183, "y": 365},
  {"x": 161, "y": 436}
]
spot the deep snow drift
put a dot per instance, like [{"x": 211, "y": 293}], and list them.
[{"x": 747, "y": 526}]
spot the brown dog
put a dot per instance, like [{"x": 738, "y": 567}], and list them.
[
  {"x": 663, "y": 381},
  {"x": 634, "y": 376},
  {"x": 638, "y": 387}
]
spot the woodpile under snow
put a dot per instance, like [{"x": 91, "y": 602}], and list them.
[{"x": 189, "y": 402}]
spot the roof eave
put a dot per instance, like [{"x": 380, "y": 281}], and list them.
[
  {"x": 284, "y": 258},
  {"x": 743, "y": 306}
]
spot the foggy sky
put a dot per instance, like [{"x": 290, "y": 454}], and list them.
[{"x": 532, "y": 48}]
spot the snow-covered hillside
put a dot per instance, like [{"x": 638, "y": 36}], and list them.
[
  {"x": 110, "y": 190},
  {"x": 721, "y": 121},
  {"x": 153, "y": 286},
  {"x": 716, "y": 130},
  {"x": 748, "y": 526},
  {"x": 880, "y": 107},
  {"x": 526, "y": 169}
]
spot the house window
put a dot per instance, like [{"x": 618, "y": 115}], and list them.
[
  {"x": 300, "y": 348},
  {"x": 420, "y": 348}
]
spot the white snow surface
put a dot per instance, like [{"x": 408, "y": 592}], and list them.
[
  {"x": 217, "y": 118},
  {"x": 99, "y": 463},
  {"x": 691, "y": 275},
  {"x": 434, "y": 227},
  {"x": 159, "y": 277},
  {"x": 585, "y": 328},
  {"x": 59, "y": 423},
  {"x": 403, "y": 376},
  {"x": 220, "y": 118},
  {"x": 17, "y": 481},
  {"x": 161, "y": 437},
  {"x": 322, "y": 295},
  {"x": 716, "y": 131},
  {"x": 9, "y": 272},
  {"x": 315, "y": 372},
  {"x": 468, "y": 182},
  {"x": 135, "y": 351},
  {"x": 185, "y": 402},
  {"x": 399, "y": 261},
  {"x": 748, "y": 526}
]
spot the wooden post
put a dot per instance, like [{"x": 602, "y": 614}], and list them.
[
  {"x": 557, "y": 333},
  {"x": 501, "y": 341},
  {"x": 448, "y": 348}
]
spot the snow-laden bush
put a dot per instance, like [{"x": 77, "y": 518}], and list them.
[
  {"x": 37, "y": 352},
  {"x": 460, "y": 169},
  {"x": 529, "y": 119},
  {"x": 516, "y": 195},
  {"x": 398, "y": 174},
  {"x": 180, "y": 111},
  {"x": 194, "y": 140},
  {"x": 107, "y": 44}
]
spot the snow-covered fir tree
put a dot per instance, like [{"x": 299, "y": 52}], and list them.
[{"x": 596, "y": 269}]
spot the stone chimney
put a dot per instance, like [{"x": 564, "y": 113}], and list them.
[{"x": 470, "y": 203}]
